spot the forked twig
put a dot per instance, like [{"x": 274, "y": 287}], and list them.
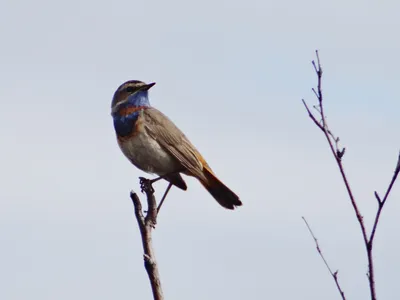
[{"x": 381, "y": 203}]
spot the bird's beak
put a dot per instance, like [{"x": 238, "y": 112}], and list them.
[{"x": 147, "y": 86}]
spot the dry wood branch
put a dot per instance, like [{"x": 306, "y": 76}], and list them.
[
  {"x": 338, "y": 154},
  {"x": 333, "y": 274},
  {"x": 146, "y": 225}
]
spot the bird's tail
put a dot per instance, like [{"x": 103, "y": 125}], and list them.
[{"x": 219, "y": 191}]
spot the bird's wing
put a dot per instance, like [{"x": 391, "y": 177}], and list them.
[{"x": 160, "y": 128}]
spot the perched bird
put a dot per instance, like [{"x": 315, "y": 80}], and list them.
[{"x": 155, "y": 145}]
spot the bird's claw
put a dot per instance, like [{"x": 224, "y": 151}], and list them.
[{"x": 146, "y": 185}]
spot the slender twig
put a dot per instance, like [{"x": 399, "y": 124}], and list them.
[
  {"x": 381, "y": 203},
  {"x": 146, "y": 225},
  {"x": 333, "y": 274},
  {"x": 338, "y": 153}
]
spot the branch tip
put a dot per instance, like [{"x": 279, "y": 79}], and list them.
[
  {"x": 378, "y": 198},
  {"x": 336, "y": 273}
]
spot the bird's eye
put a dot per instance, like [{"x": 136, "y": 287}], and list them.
[{"x": 130, "y": 89}]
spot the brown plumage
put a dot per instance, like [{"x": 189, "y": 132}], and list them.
[{"x": 160, "y": 128}]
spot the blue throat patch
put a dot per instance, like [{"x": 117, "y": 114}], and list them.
[{"x": 124, "y": 124}]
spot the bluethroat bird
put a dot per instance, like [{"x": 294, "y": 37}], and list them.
[{"x": 155, "y": 145}]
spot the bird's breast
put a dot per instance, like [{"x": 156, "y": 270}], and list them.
[
  {"x": 126, "y": 121},
  {"x": 146, "y": 153}
]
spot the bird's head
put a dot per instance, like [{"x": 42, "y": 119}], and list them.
[{"x": 131, "y": 93}]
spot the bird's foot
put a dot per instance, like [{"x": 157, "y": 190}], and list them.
[{"x": 146, "y": 185}]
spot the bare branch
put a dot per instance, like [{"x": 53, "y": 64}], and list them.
[
  {"x": 338, "y": 153},
  {"x": 382, "y": 202},
  {"x": 146, "y": 225},
  {"x": 334, "y": 275}
]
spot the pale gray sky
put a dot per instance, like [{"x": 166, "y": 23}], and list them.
[{"x": 231, "y": 74}]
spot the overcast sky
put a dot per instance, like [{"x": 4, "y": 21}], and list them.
[{"x": 231, "y": 75}]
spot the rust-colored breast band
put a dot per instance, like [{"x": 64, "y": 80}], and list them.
[{"x": 126, "y": 111}]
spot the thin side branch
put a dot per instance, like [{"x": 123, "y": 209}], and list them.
[
  {"x": 312, "y": 116},
  {"x": 333, "y": 274},
  {"x": 381, "y": 203},
  {"x": 146, "y": 225}
]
